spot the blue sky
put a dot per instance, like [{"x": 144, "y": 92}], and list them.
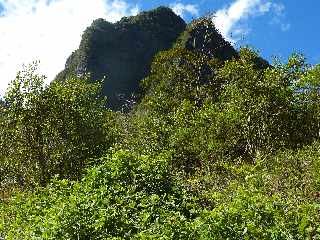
[
  {"x": 49, "y": 30},
  {"x": 297, "y": 34}
]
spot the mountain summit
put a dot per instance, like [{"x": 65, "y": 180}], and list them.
[{"x": 122, "y": 52}]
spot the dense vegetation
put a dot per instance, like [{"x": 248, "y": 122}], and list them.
[{"x": 214, "y": 150}]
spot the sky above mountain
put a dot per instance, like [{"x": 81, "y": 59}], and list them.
[{"x": 49, "y": 30}]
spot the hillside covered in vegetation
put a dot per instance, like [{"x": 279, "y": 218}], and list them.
[{"x": 220, "y": 145}]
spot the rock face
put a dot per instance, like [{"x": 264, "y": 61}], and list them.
[
  {"x": 202, "y": 36},
  {"x": 122, "y": 52}
]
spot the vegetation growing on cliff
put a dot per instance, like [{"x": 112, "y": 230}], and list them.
[{"x": 122, "y": 52}]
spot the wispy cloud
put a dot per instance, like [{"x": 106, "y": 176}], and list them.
[
  {"x": 48, "y": 31},
  {"x": 182, "y": 9},
  {"x": 279, "y": 17},
  {"x": 231, "y": 20},
  {"x": 285, "y": 26}
]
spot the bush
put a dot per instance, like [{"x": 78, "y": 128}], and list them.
[{"x": 125, "y": 196}]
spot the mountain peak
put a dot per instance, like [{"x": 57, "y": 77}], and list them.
[
  {"x": 123, "y": 51},
  {"x": 202, "y": 36}
]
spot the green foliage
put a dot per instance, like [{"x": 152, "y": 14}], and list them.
[
  {"x": 133, "y": 196},
  {"x": 179, "y": 74},
  {"x": 125, "y": 196},
  {"x": 51, "y": 130},
  {"x": 217, "y": 111}
]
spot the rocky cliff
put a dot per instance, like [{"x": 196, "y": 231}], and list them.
[{"x": 122, "y": 52}]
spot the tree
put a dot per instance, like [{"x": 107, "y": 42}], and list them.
[
  {"x": 203, "y": 110},
  {"x": 55, "y": 129}
]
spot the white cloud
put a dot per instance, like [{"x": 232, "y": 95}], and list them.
[
  {"x": 181, "y": 9},
  {"x": 48, "y": 31},
  {"x": 229, "y": 20},
  {"x": 226, "y": 19}
]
